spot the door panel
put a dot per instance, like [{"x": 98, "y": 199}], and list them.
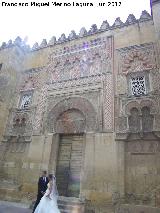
[
  {"x": 75, "y": 166},
  {"x": 69, "y": 165},
  {"x": 63, "y": 165}
]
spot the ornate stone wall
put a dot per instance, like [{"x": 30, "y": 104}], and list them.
[
  {"x": 84, "y": 66},
  {"x": 76, "y": 103},
  {"x": 97, "y": 83},
  {"x": 136, "y": 83},
  {"x": 137, "y": 115}
]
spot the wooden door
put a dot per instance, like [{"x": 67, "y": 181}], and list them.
[{"x": 69, "y": 165}]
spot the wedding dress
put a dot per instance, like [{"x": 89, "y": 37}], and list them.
[{"x": 48, "y": 203}]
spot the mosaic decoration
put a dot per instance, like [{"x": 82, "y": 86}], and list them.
[
  {"x": 137, "y": 58},
  {"x": 90, "y": 63},
  {"x": 71, "y": 64}
]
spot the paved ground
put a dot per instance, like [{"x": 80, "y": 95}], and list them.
[{"x": 8, "y": 207}]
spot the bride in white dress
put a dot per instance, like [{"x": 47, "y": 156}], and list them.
[{"x": 48, "y": 203}]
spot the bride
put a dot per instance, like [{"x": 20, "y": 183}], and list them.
[{"x": 48, "y": 203}]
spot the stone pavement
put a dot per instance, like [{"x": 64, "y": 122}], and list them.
[{"x": 9, "y": 207}]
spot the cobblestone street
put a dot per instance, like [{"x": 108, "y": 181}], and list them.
[{"x": 8, "y": 207}]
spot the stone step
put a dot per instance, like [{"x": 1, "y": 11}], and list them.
[
  {"x": 65, "y": 211},
  {"x": 70, "y": 204},
  {"x": 70, "y": 207},
  {"x": 68, "y": 211}
]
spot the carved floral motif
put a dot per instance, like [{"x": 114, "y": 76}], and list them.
[
  {"x": 137, "y": 58},
  {"x": 74, "y": 65}
]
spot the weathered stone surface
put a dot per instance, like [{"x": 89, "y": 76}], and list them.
[
  {"x": 101, "y": 86},
  {"x": 137, "y": 209}
]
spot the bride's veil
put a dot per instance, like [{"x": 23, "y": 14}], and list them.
[{"x": 54, "y": 190}]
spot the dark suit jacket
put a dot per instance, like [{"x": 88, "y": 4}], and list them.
[{"x": 42, "y": 185}]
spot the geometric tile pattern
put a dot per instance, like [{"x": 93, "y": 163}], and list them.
[{"x": 108, "y": 103}]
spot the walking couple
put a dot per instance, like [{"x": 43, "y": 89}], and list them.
[{"x": 47, "y": 195}]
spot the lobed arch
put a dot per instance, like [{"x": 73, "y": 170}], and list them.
[
  {"x": 146, "y": 63},
  {"x": 130, "y": 106},
  {"x": 78, "y": 104},
  {"x": 150, "y": 104},
  {"x": 139, "y": 105}
]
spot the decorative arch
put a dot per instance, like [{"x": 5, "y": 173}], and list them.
[
  {"x": 147, "y": 119},
  {"x": 130, "y": 105},
  {"x": 134, "y": 120},
  {"x": 71, "y": 121},
  {"x": 139, "y": 105},
  {"x": 67, "y": 109},
  {"x": 150, "y": 104},
  {"x": 144, "y": 62}
]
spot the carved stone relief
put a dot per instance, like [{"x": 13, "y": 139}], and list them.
[
  {"x": 35, "y": 79},
  {"x": 71, "y": 121},
  {"x": 78, "y": 103},
  {"x": 108, "y": 104},
  {"x": 41, "y": 104},
  {"x": 138, "y": 116},
  {"x": 94, "y": 97},
  {"x": 32, "y": 79},
  {"x": 20, "y": 123},
  {"x": 155, "y": 78},
  {"x": 89, "y": 61},
  {"x": 137, "y": 58}
]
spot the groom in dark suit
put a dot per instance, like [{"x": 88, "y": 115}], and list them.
[{"x": 42, "y": 187}]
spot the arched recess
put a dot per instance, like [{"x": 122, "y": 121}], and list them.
[
  {"x": 69, "y": 110},
  {"x": 134, "y": 120},
  {"x": 71, "y": 121},
  {"x": 130, "y": 106},
  {"x": 147, "y": 119},
  {"x": 150, "y": 104}
]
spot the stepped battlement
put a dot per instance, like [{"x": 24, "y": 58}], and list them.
[{"x": 105, "y": 26}]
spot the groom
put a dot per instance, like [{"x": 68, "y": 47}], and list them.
[{"x": 42, "y": 187}]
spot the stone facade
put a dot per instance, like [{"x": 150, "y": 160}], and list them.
[{"x": 87, "y": 107}]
